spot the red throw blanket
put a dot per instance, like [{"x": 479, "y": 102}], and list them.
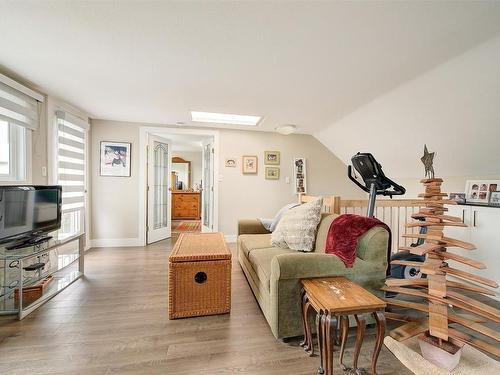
[{"x": 342, "y": 239}]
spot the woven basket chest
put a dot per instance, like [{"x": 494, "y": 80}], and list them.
[{"x": 199, "y": 276}]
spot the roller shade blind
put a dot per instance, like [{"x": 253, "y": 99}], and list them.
[
  {"x": 18, "y": 108},
  {"x": 71, "y": 160}
]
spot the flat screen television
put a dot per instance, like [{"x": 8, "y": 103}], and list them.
[{"x": 28, "y": 212}]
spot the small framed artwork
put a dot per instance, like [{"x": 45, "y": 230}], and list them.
[
  {"x": 479, "y": 191},
  {"x": 271, "y": 157},
  {"x": 495, "y": 199},
  {"x": 230, "y": 162},
  {"x": 272, "y": 173},
  {"x": 249, "y": 164},
  {"x": 299, "y": 169},
  {"x": 458, "y": 197},
  {"x": 115, "y": 159}
]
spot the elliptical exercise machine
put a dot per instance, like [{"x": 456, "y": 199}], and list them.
[{"x": 376, "y": 183}]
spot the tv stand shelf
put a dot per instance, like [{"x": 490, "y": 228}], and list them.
[{"x": 25, "y": 284}]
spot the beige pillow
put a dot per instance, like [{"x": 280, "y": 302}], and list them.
[{"x": 297, "y": 228}]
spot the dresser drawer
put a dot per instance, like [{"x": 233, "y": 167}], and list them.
[{"x": 185, "y": 206}]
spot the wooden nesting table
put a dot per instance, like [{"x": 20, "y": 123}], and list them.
[{"x": 334, "y": 299}]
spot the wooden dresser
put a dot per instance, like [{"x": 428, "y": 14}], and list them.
[{"x": 186, "y": 205}]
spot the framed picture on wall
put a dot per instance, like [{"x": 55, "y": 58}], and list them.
[
  {"x": 230, "y": 162},
  {"x": 299, "y": 172},
  {"x": 249, "y": 164},
  {"x": 272, "y": 173},
  {"x": 272, "y": 157},
  {"x": 115, "y": 159}
]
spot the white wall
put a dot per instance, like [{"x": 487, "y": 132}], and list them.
[
  {"x": 195, "y": 159},
  {"x": 251, "y": 196},
  {"x": 453, "y": 108},
  {"x": 115, "y": 201}
]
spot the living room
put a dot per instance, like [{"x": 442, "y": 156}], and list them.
[{"x": 194, "y": 187}]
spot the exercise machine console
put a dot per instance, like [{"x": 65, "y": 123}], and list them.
[{"x": 375, "y": 182}]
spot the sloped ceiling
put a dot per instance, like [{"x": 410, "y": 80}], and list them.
[
  {"x": 305, "y": 63},
  {"x": 454, "y": 109}
]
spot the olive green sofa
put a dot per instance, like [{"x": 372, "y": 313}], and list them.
[{"x": 274, "y": 273}]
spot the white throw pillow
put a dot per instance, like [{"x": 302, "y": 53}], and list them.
[
  {"x": 297, "y": 228},
  {"x": 270, "y": 224}
]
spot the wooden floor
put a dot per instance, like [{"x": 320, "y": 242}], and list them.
[{"x": 114, "y": 321}]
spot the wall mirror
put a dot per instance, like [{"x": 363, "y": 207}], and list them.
[{"x": 181, "y": 174}]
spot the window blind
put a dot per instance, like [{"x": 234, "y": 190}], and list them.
[
  {"x": 71, "y": 141},
  {"x": 18, "y": 108}
]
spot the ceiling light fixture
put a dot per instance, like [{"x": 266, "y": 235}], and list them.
[
  {"x": 225, "y": 118},
  {"x": 286, "y": 129}
]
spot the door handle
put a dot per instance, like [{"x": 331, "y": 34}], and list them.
[
  {"x": 474, "y": 218},
  {"x": 463, "y": 216}
]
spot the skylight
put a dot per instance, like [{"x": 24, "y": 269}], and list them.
[{"x": 225, "y": 118}]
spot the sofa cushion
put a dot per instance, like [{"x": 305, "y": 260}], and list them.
[
  {"x": 249, "y": 242},
  {"x": 260, "y": 259},
  {"x": 323, "y": 228},
  {"x": 297, "y": 228}
]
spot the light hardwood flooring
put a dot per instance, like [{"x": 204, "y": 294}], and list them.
[{"x": 114, "y": 321}]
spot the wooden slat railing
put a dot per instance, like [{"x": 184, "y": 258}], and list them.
[{"x": 396, "y": 213}]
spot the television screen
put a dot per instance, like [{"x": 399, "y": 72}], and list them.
[{"x": 29, "y": 209}]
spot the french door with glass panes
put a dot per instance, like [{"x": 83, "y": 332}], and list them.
[
  {"x": 207, "y": 194},
  {"x": 159, "y": 223}
]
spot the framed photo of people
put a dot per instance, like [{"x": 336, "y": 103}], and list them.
[
  {"x": 479, "y": 191},
  {"x": 115, "y": 159},
  {"x": 299, "y": 173}
]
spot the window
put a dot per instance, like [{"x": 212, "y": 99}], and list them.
[
  {"x": 225, "y": 118},
  {"x": 12, "y": 152},
  {"x": 19, "y": 111},
  {"x": 71, "y": 168}
]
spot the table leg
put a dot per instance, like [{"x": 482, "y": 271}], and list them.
[
  {"x": 330, "y": 333},
  {"x": 360, "y": 333},
  {"x": 344, "y": 328},
  {"x": 321, "y": 346},
  {"x": 337, "y": 333},
  {"x": 380, "y": 319},
  {"x": 303, "y": 301},
  {"x": 307, "y": 344}
]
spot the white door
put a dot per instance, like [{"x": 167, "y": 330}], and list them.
[
  {"x": 207, "y": 198},
  {"x": 159, "y": 223}
]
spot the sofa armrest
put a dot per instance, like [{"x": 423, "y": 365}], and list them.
[
  {"x": 251, "y": 226},
  {"x": 306, "y": 265}
]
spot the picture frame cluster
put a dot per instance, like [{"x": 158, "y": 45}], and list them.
[{"x": 272, "y": 161}]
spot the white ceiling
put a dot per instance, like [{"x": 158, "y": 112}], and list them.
[
  {"x": 454, "y": 109},
  {"x": 304, "y": 63}
]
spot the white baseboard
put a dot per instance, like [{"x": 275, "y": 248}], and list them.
[
  {"x": 115, "y": 242},
  {"x": 125, "y": 242},
  {"x": 231, "y": 238}
]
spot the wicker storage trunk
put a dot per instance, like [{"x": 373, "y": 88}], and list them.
[{"x": 199, "y": 276}]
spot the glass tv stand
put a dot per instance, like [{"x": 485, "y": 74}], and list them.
[{"x": 31, "y": 275}]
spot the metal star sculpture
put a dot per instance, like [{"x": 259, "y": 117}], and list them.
[{"x": 428, "y": 160}]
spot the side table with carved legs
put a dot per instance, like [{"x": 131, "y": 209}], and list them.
[{"x": 333, "y": 300}]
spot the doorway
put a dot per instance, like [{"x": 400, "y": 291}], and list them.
[{"x": 181, "y": 192}]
